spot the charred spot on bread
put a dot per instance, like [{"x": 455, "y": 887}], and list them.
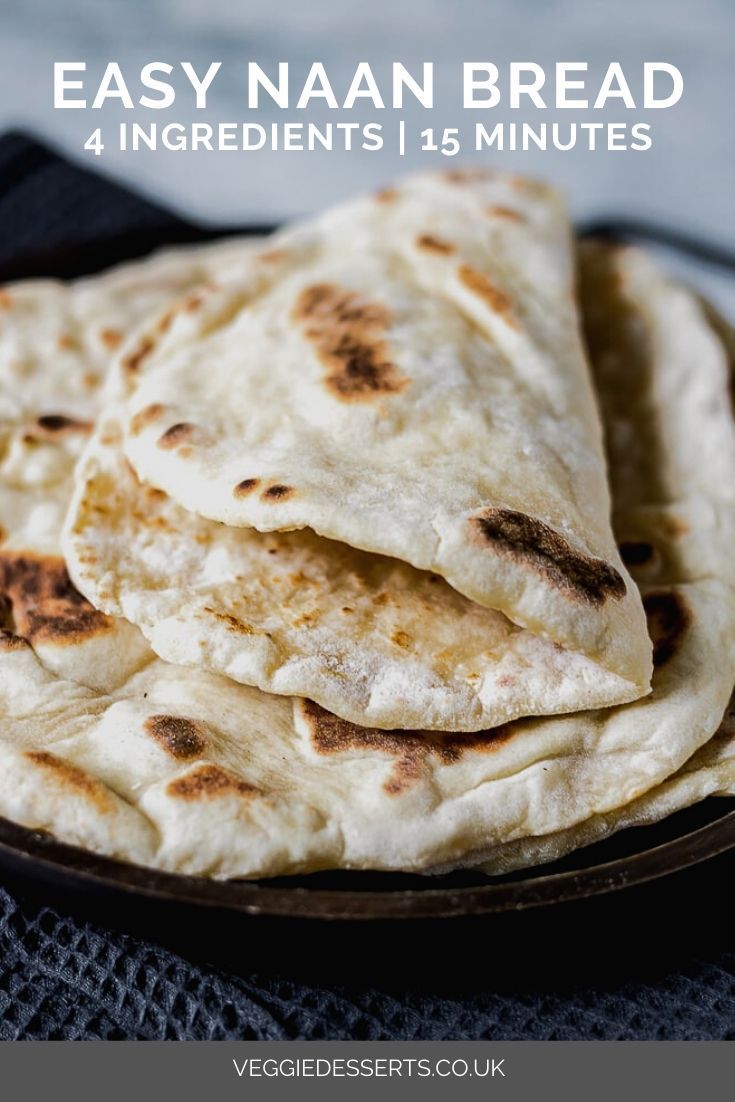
[
  {"x": 636, "y": 552},
  {"x": 133, "y": 360},
  {"x": 55, "y": 425},
  {"x": 179, "y": 736},
  {"x": 482, "y": 286},
  {"x": 669, "y": 619},
  {"x": 247, "y": 486},
  {"x": 71, "y": 777},
  {"x": 177, "y": 434},
  {"x": 207, "y": 782},
  {"x": 536, "y": 546},
  {"x": 277, "y": 492},
  {"x": 111, "y": 338},
  {"x": 45, "y": 605},
  {"x": 430, "y": 243},
  {"x": 347, "y": 332},
  {"x": 507, "y": 213},
  {"x": 410, "y": 751},
  {"x": 146, "y": 416}
]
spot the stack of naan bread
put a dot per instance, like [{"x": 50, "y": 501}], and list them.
[{"x": 348, "y": 549}]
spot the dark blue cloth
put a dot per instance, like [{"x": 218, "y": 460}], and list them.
[{"x": 61, "y": 978}]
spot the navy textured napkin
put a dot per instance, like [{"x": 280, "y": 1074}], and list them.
[
  {"x": 659, "y": 964},
  {"x": 62, "y": 977}
]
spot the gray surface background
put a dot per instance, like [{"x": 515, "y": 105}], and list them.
[{"x": 688, "y": 177}]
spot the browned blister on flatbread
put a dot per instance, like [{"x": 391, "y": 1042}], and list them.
[
  {"x": 348, "y": 333},
  {"x": 180, "y": 737},
  {"x": 180, "y": 433},
  {"x": 45, "y": 606},
  {"x": 54, "y": 425},
  {"x": 668, "y": 621},
  {"x": 70, "y": 778},
  {"x": 409, "y": 750},
  {"x": 482, "y": 286},
  {"x": 516, "y": 536},
  {"x": 207, "y": 782}
]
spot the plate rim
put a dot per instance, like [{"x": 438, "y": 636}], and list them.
[{"x": 33, "y": 850}]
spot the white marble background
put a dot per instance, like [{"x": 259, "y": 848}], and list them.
[{"x": 687, "y": 178}]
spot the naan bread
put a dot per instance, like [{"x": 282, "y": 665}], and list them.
[
  {"x": 56, "y": 341},
  {"x": 612, "y": 282},
  {"x": 405, "y": 376},
  {"x": 285, "y": 611},
  {"x": 191, "y": 772},
  {"x": 369, "y": 638},
  {"x": 709, "y": 772}
]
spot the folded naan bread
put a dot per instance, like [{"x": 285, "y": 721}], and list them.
[
  {"x": 188, "y": 771},
  {"x": 405, "y": 377}
]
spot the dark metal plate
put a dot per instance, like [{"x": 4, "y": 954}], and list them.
[{"x": 633, "y": 857}]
